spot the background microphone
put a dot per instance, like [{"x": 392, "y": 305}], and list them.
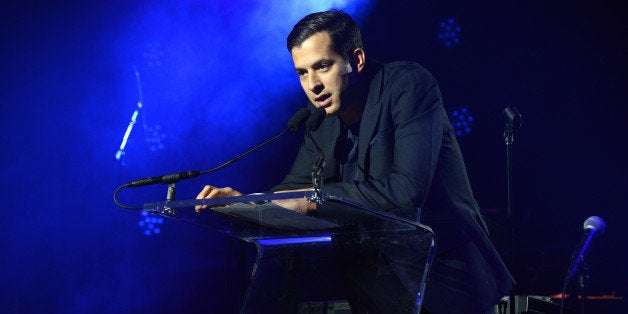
[
  {"x": 593, "y": 227},
  {"x": 513, "y": 117}
]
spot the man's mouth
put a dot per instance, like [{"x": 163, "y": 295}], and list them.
[{"x": 323, "y": 101}]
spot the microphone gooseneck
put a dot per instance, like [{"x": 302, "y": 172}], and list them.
[{"x": 295, "y": 122}]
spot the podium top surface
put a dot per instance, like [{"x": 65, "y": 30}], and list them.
[{"x": 258, "y": 216}]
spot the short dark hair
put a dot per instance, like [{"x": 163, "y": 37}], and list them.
[{"x": 342, "y": 29}]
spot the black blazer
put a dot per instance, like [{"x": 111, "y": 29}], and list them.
[
  {"x": 409, "y": 161},
  {"x": 408, "y": 157}
]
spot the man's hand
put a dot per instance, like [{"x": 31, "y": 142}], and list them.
[
  {"x": 212, "y": 192},
  {"x": 300, "y": 205}
]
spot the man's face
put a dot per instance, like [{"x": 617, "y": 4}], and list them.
[{"x": 324, "y": 74}]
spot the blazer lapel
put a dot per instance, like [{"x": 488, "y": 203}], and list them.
[{"x": 369, "y": 119}]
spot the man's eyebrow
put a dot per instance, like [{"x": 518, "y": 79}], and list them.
[{"x": 316, "y": 63}]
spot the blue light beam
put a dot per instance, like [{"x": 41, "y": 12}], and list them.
[{"x": 298, "y": 240}]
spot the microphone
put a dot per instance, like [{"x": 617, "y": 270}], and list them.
[
  {"x": 312, "y": 124},
  {"x": 513, "y": 122},
  {"x": 593, "y": 227},
  {"x": 315, "y": 119},
  {"x": 295, "y": 122},
  {"x": 513, "y": 117},
  {"x": 167, "y": 179},
  {"x": 298, "y": 118}
]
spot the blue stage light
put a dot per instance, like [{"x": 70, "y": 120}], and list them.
[
  {"x": 150, "y": 223},
  {"x": 217, "y": 77},
  {"x": 227, "y": 74},
  {"x": 449, "y": 33},
  {"x": 154, "y": 137},
  {"x": 129, "y": 128},
  {"x": 461, "y": 120},
  {"x": 153, "y": 55}
]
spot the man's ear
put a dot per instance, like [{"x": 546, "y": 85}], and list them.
[{"x": 359, "y": 59}]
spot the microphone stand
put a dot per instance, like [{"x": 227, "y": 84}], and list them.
[
  {"x": 317, "y": 175},
  {"x": 583, "y": 281},
  {"x": 312, "y": 124},
  {"x": 170, "y": 198},
  {"x": 513, "y": 121}
]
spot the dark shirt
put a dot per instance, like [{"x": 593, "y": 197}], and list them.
[{"x": 347, "y": 152}]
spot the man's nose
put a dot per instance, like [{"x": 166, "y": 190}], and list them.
[{"x": 314, "y": 84}]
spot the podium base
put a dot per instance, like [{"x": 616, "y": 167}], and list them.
[{"x": 525, "y": 304}]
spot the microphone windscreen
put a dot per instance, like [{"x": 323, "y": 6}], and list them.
[
  {"x": 298, "y": 118},
  {"x": 595, "y": 223},
  {"x": 315, "y": 119}
]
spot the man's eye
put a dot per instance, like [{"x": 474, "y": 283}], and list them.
[{"x": 324, "y": 66}]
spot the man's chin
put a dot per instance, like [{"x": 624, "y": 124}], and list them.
[{"x": 331, "y": 111}]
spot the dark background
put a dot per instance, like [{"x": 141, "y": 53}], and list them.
[{"x": 216, "y": 80}]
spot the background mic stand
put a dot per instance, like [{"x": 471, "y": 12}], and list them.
[
  {"x": 513, "y": 121},
  {"x": 583, "y": 283}
]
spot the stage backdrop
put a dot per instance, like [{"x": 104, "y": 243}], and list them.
[{"x": 194, "y": 83}]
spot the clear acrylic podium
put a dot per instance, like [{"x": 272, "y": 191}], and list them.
[{"x": 342, "y": 251}]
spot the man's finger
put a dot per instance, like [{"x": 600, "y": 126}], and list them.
[{"x": 203, "y": 194}]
